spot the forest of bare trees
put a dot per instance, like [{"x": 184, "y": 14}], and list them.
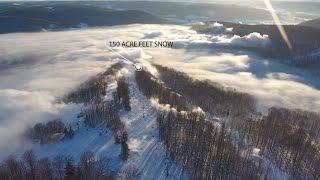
[
  {"x": 60, "y": 167},
  {"x": 93, "y": 89},
  {"x": 209, "y": 96},
  {"x": 50, "y": 132},
  {"x": 153, "y": 88},
  {"x": 201, "y": 148},
  {"x": 288, "y": 138},
  {"x": 122, "y": 96},
  {"x": 100, "y": 112},
  {"x": 96, "y": 112},
  {"x": 307, "y": 61}
]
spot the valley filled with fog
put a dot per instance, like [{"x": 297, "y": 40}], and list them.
[
  {"x": 36, "y": 69},
  {"x": 159, "y": 90}
]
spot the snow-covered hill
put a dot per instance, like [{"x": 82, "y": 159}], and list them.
[{"x": 147, "y": 152}]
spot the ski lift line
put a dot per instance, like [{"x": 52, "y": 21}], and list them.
[
  {"x": 127, "y": 53},
  {"x": 135, "y": 65},
  {"x": 30, "y": 18},
  {"x": 129, "y": 61}
]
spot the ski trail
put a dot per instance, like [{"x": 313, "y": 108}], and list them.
[{"x": 146, "y": 150}]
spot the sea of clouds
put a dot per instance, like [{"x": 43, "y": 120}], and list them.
[{"x": 37, "y": 68}]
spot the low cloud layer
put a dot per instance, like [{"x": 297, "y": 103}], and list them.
[
  {"x": 35, "y": 68},
  {"x": 272, "y": 83},
  {"x": 252, "y": 40},
  {"x": 218, "y": 34}
]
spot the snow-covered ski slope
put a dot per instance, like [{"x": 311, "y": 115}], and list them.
[
  {"x": 146, "y": 149},
  {"x": 146, "y": 153}
]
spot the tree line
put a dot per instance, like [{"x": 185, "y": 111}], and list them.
[
  {"x": 153, "y": 88},
  {"x": 107, "y": 113},
  {"x": 60, "y": 167},
  {"x": 93, "y": 89},
  {"x": 201, "y": 148},
  {"x": 211, "y": 97},
  {"x": 290, "y": 138},
  {"x": 307, "y": 61},
  {"x": 122, "y": 96},
  {"x": 97, "y": 111},
  {"x": 100, "y": 112},
  {"x": 50, "y": 132}
]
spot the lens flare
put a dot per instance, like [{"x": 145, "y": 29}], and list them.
[{"x": 277, "y": 21}]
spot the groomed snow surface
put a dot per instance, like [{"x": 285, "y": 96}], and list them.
[{"x": 146, "y": 149}]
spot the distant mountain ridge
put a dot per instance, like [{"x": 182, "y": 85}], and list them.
[
  {"x": 303, "y": 39},
  {"x": 28, "y": 19},
  {"x": 184, "y": 12},
  {"x": 177, "y": 12}
]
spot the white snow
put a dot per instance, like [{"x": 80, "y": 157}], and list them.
[
  {"x": 99, "y": 140},
  {"x": 85, "y": 139},
  {"x": 146, "y": 150}
]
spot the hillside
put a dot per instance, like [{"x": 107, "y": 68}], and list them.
[
  {"x": 36, "y": 18},
  {"x": 149, "y": 126},
  {"x": 315, "y": 23}
]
